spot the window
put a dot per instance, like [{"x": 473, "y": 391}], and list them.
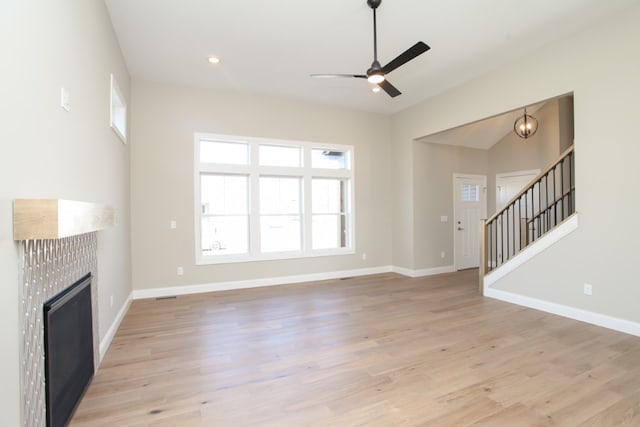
[
  {"x": 470, "y": 193},
  {"x": 262, "y": 199},
  {"x": 274, "y": 155},
  {"x": 329, "y": 159},
  {"x": 280, "y": 214},
  {"x": 224, "y": 205},
  {"x": 232, "y": 153},
  {"x": 329, "y": 211},
  {"x": 118, "y": 117}
]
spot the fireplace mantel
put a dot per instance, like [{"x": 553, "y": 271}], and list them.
[{"x": 35, "y": 219}]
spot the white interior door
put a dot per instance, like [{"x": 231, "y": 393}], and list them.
[
  {"x": 470, "y": 206},
  {"x": 509, "y": 184}
]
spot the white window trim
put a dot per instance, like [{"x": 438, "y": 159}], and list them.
[{"x": 254, "y": 171}]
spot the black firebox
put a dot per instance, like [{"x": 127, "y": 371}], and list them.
[{"x": 68, "y": 350}]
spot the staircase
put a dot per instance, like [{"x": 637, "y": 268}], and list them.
[{"x": 536, "y": 210}]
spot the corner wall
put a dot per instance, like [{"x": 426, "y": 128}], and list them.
[{"x": 50, "y": 153}]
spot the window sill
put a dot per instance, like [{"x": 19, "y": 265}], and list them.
[{"x": 233, "y": 259}]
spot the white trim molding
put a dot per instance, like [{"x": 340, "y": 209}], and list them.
[
  {"x": 105, "y": 342},
  {"x": 255, "y": 283},
  {"x": 424, "y": 271},
  {"x": 252, "y": 171},
  {"x": 591, "y": 317},
  {"x": 284, "y": 280}
]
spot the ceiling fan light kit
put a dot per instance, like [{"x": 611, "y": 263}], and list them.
[
  {"x": 375, "y": 78},
  {"x": 376, "y": 74}
]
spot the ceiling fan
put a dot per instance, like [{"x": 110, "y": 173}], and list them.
[{"x": 376, "y": 74}]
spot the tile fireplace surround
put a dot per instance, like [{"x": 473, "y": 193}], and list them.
[{"x": 57, "y": 246}]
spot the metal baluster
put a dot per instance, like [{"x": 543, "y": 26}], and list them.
[
  {"x": 546, "y": 201},
  {"x": 539, "y": 206},
  {"x": 555, "y": 201},
  {"x": 513, "y": 226},
  {"x": 526, "y": 212},
  {"x": 507, "y": 230},
  {"x": 571, "y": 184},
  {"x": 496, "y": 231},
  {"x": 519, "y": 230}
]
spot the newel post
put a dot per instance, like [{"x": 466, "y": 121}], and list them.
[{"x": 483, "y": 256}]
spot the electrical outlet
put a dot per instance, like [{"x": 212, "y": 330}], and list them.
[
  {"x": 442, "y": 254},
  {"x": 588, "y": 289},
  {"x": 364, "y": 256},
  {"x": 180, "y": 271},
  {"x": 173, "y": 224},
  {"x": 111, "y": 301}
]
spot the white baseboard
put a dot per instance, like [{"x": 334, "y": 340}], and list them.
[
  {"x": 283, "y": 280},
  {"x": 591, "y": 317},
  {"x": 106, "y": 340},
  {"x": 424, "y": 272},
  {"x": 255, "y": 283}
]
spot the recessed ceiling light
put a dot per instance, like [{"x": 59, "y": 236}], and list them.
[
  {"x": 214, "y": 60},
  {"x": 376, "y": 89}
]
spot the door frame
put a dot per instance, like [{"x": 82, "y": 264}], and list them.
[
  {"x": 503, "y": 175},
  {"x": 454, "y": 227}
]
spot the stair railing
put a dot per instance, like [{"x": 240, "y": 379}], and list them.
[{"x": 546, "y": 202}]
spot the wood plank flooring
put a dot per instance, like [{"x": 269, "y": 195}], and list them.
[{"x": 382, "y": 350}]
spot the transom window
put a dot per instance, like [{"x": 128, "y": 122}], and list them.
[{"x": 262, "y": 199}]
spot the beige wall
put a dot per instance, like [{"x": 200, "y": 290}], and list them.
[
  {"x": 50, "y": 153},
  {"x": 165, "y": 119},
  {"x": 434, "y": 166},
  {"x": 565, "y": 121},
  {"x": 402, "y": 208},
  {"x": 513, "y": 153},
  {"x": 606, "y": 88}
]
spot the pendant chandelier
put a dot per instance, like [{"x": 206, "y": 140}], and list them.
[{"x": 526, "y": 125}]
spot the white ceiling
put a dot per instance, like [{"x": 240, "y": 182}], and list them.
[
  {"x": 482, "y": 134},
  {"x": 271, "y": 47}
]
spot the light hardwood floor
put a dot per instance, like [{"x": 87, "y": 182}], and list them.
[{"x": 381, "y": 350}]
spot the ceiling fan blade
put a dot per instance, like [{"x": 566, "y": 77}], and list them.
[
  {"x": 391, "y": 90},
  {"x": 406, "y": 56},
  {"x": 330, "y": 76}
]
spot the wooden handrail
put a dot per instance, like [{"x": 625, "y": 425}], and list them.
[{"x": 536, "y": 179}]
